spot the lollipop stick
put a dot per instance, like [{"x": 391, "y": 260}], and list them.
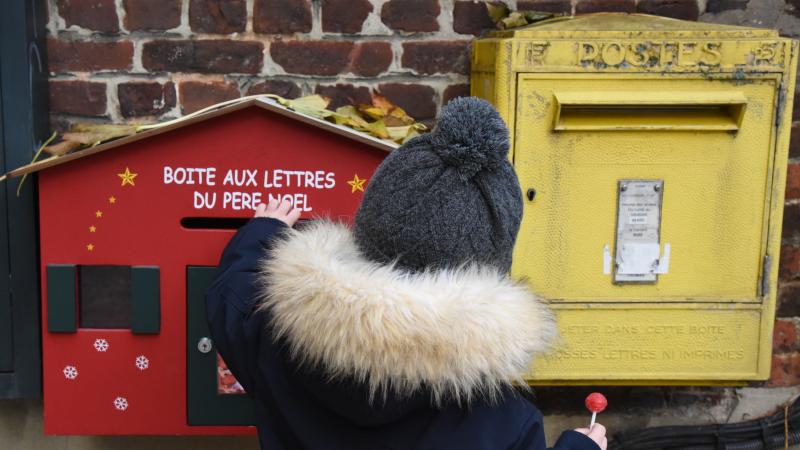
[{"x": 594, "y": 416}]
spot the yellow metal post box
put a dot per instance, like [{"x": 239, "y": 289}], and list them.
[{"x": 652, "y": 157}]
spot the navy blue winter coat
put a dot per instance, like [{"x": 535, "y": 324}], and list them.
[{"x": 340, "y": 353}]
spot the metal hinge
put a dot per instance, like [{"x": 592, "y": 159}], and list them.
[{"x": 763, "y": 284}]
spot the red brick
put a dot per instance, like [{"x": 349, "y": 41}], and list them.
[
  {"x": 371, "y": 58},
  {"x": 793, "y": 181},
  {"x": 790, "y": 262},
  {"x": 344, "y": 16},
  {"x": 325, "y": 58},
  {"x": 81, "y": 98},
  {"x": 677, "y": 9},
  {"x": 784, "y": 336},
  {"x": 196, "y": 95},
  {"x": 152, "y": 14},
  {"x": 411, "y": 15},
  {"x": 791, "y": 220},
  {"x": 788, "y": 300},
  {"x": 785, "y": 370},
  {"x": 591, "y": 6},
  {"x": 285, "y": 89},
  {"x": 554, "y": 6},
  {"x": 217, "y": 16},
  {"x": 205, "y": 56},
  {"x": 282, "y": 16},
  {"x": 344, "y": 94},
  {"x": 453, "y": 91},
  {"x": 432, "y": 57},
  {"x": 145, "y": 98},
  {"x": 796, "y": 105},
  {"x": 794, "y": 141},
  {"x": 471, "y": 18},
  {"x": 97, "y": 15},
  {"x": 717, "y": 6},
  {"x": 795, "y": 9},
  {"x": 416, "y": 99},
  {"x": 86, "y": 56}
]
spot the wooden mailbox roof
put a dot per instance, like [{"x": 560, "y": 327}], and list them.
[{"x": 264, "y": 103}]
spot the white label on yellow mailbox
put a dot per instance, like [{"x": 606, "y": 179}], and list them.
[
  {"x": 638, "y": 229},
  {"x": 635, "y": 258}
]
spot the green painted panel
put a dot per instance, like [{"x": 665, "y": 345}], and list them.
[
  {"x": 204, "y": 405},
  {"x": 25, "y": 123},
  {"x": 6, "y": 323},
  {"x": 61, "y": 306},
  {"x": 145, "y": 300}
]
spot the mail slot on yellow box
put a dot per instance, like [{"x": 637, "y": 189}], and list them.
[{"x": 652, "y": 155}]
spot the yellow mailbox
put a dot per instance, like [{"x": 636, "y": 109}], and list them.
[{"x": 652, "y": 155}]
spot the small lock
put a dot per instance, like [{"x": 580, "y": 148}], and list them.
[{"x": 204, "y": 345}]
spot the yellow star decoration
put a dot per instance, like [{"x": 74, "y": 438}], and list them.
[
  {"x": 357, "y": 184},
  {"x": 112, "y": 200},
  {"x": 127, "y": 177},
  {"x": 90, "y": 247},
  {"x": 92, "y": 229},
  {"x": 98, "y": 213}
]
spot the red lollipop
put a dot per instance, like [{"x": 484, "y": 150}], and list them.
[{"x": 595, "y": 402}]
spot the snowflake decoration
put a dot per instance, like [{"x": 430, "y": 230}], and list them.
[
  {"x": 142, "y": 362},
  {"x": 121, "y": 403},
  {"x": 70, "y": 372},
  {"x": 101, "y": 345}
]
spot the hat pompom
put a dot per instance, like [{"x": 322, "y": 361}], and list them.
[{"x": 471, "y": 136}]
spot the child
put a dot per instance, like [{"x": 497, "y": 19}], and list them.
[{"x": 406, "y": 332}]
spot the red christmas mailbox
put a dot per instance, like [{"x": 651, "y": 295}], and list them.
[{"x": 129, "y": 240}]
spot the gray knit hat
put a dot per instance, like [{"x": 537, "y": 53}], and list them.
[{"x": 447, "y": 197}]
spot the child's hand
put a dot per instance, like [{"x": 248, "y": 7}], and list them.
[
  {"x": 282, "y": 211},
  {"x": 597, "y": 434}
]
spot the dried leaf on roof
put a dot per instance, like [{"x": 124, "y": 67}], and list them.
[
  {"x": 310, "y": 105},
  {"x": 382, "y": 119},
  {"x": 89, "y": 134}
]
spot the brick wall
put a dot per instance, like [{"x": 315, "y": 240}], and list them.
[
  {"x": 147, "y": 60},
  {"x": 784, "y": 16}
]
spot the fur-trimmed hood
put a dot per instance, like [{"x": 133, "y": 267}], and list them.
[{"x": 459, "y": 334}]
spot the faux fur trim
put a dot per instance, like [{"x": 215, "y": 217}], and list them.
[{"x": 457, "y": 333}]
